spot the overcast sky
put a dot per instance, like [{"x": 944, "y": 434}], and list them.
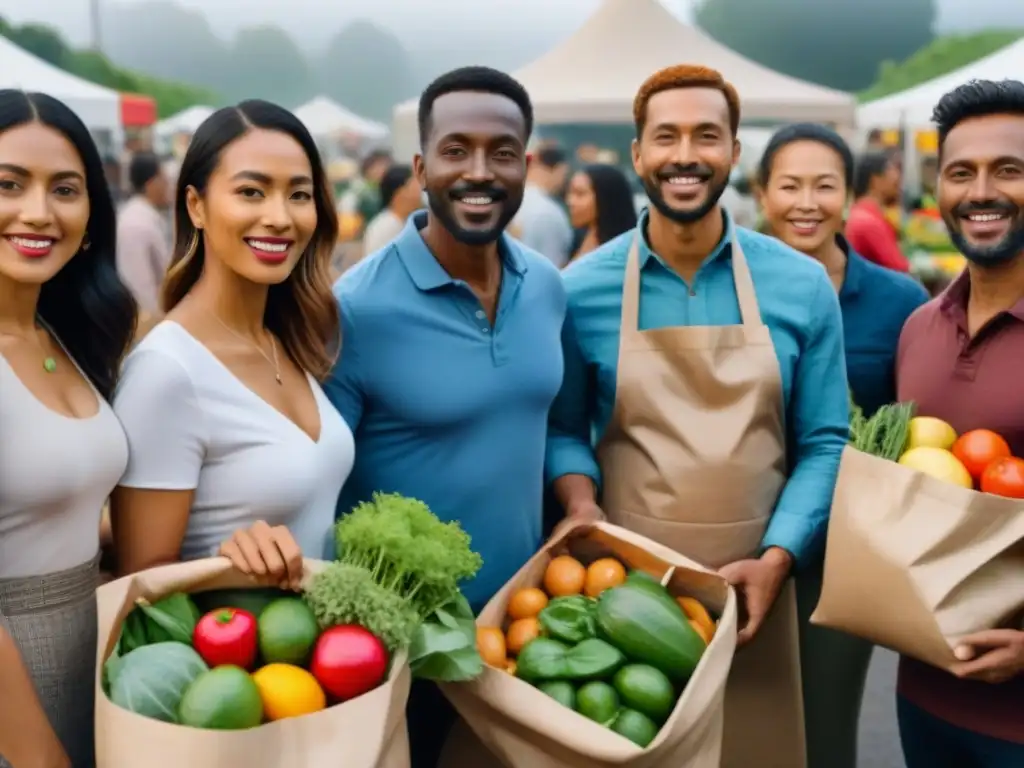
[{"x": 406, "y": 18}]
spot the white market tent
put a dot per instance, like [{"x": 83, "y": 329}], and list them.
[
  {"x": 324, "y": 118},
  {"x": 98, "y": 107},
  {"x": 186, "y": 121},
  {"x": 592, "y": 76},
  {"x": 913, "y": 107}
]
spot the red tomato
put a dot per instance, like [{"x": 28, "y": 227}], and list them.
[
  {"x": 1004, "y": 477},
  {"x": 979, "y": 448},
  {"x": 348, "y": 661},
  {"x": 227, "y": 636}
]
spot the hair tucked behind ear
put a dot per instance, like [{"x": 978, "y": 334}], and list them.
[
  {"x": 301, "y": 311},
  {"x": 85, "y": 304}
]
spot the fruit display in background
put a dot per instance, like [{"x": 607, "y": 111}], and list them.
[{"x": 979, "y": 448}]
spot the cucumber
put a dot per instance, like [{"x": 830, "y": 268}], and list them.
[{"x": 649, "y": 629}]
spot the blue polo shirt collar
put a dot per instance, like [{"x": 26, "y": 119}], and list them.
[
  {"x": 426, "y": 271},
  {"x": 724, "y": 245},
  {"x": 854, "y": 277}
]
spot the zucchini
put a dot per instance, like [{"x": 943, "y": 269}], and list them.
[{"x": 649, "y": 629}]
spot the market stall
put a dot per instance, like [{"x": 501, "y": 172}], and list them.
[
  {"x": 592, "y": 76},
  {"x": 98, "y": 107}
]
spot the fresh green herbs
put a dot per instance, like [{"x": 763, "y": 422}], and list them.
[
  {"x": 408, "y": 550},
  {"x": 885, "y": 433},
  {"x": 398, "y": 576},
  {"x": 347, "y": 594}
]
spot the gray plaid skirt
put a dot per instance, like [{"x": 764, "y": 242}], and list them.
[{"x": 52, "y": 619}]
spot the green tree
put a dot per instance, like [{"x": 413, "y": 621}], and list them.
[
  {"x": 47, "y": 44},
  {"x": 366, "y": 69},
  {"x": 266, "y": 63},
  {"x": 940, "y": 57},
  {"x": 41, "y": 41},
  {"x": 840, "y": 43}
]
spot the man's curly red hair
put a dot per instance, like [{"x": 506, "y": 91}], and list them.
[{"x": 685, "y": 76}]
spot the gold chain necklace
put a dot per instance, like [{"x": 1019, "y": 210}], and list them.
[{"x": 273, "y": 346}]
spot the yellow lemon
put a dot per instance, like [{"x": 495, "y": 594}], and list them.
[
  {"x": 927, "y": 431},
  {"x": 288, "y": 691},
  {"x": 938, "y": 463}
]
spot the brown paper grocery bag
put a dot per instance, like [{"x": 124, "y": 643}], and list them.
[
  {"x": 914, "y": 564},
  {"x": 511, "y": 723},
  {"x": 367, "y": 732}
]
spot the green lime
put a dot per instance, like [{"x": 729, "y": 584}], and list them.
[
  {"x": 645, "y": 689},
  {"x": 635, "y": 726},
  {"x": 560, "y": 691},
  {"x": 287, "y": 632},
  {"x": 224, "y": 699},
  {"x": 598, "y": 701}
]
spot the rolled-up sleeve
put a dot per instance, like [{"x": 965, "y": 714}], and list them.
[
  {"x": 569, "y": 448},
  {"x": 819, "y": 428}
]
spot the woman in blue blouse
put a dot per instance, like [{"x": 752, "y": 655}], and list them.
[{"x": 805, "y": 177}]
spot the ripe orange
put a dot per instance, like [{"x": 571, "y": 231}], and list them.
[
  {"x": 705, "y": 632},
  {"x": 526, "y": 603},
  {"x": 603, "y": 574},
  {"x": 490, "y": 642},
  {"x": 288, "y": 691},
  {"x": 521, "y": 632},
  {"x": 564, "y": 576}
]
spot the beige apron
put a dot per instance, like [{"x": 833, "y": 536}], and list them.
[{"x": 694, "y": 458}]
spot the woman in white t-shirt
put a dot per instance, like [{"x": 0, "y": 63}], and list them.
[{"x": 234, "y": 449}]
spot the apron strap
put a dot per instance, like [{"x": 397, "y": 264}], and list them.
[{"x": 746, "y": 296}]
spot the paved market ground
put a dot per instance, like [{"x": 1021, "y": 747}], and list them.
[{"x": 879, "y": 740}]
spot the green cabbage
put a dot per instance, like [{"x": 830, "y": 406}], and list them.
[{"x": 151, "y": 680}]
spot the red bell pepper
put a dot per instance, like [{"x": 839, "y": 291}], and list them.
[{"x": 227, "y": 636}]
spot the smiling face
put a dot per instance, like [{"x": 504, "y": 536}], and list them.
[
  {"x": 258, "y": 214},
  {"x": 805, "y": 197},
  {"x": 686, "y": 152},
  {"x": 473, "y": 165},
  {"x": 981, "y": 188},
  {"x": 44, "y": 204}
]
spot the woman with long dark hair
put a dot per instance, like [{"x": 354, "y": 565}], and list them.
[
  {"x": 234, "y": 447},
  {"x": 804, "y": 181},
  {"x": 66, "y": 321},
  {"x": 601, "y": 206}
]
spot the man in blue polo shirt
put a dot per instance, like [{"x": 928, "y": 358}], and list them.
[
  {"x": 705, "y": 402},
  {"x": 451, "y": 353}
]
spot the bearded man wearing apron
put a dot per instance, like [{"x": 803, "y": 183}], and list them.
[{"x": 706, "y": 364}]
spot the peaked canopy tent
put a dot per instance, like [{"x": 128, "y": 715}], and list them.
[
  {"x": 98, "y": 107},
  {"x": 324, "y": 117},
  {"x": 593, "y": 76},
  {"x": 913, "y": 107},
  {"x": 186, "y": 121}
]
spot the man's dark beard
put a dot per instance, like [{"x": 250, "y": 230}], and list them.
[
  {"x": 989, "y": 256},
  {"x": 441, "y": 207},
  {"x": 715, "y": 192}
]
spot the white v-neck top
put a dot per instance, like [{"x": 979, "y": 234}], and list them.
[
  {"x": 192, "y": 424},
  {"x": 56, "y": 472}
]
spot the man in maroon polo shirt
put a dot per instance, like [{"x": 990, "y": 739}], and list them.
[{"x": 961, "y": 359}]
